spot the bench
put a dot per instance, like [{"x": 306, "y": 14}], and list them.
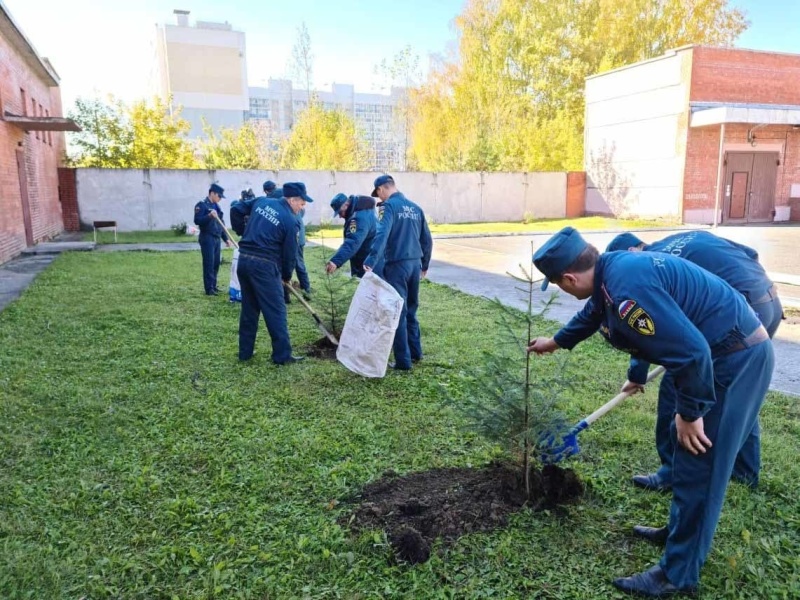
[{"x": 104, "y": 225}]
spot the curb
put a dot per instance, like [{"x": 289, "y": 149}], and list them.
[{"x": 447, "y": 236}]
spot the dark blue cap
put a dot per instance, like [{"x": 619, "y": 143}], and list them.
[
  {"x": 337, "y": 202},
  {"x": 623, "y": 241},
  {"x": 269, "y": 186},
  {"x": 296, "y": 189},
  {"x": 383, "y": 179},
  {"x": 217, "y": 189},
  {"x": 558, "y": 253}
]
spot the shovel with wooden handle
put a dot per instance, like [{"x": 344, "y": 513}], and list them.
[
  {"x": 328, "y": 334},
  {"x": 553, "y": 452},
  {"x": 230, "y": 237}
]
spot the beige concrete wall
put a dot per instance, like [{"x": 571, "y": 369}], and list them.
[
  {"x": 157, "y": 199},
  {"x": 635, "y": 137}
]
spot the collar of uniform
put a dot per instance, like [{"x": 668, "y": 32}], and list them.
[
  {"x": 599, "y": 294},
  {"x": 396, "y": 195}
]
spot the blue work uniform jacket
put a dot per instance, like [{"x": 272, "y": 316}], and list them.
[
  {"x": 402, "y": 234},
  {"x": 206, "y": 222},
  {"x": 271, "y": 232},
  {"x": 360, "y": 228},
  {"x": 666, "y": 311},
  {"x": 301, "y": 224}
]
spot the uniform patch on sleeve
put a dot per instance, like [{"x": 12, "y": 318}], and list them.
[
  {"x": 625, "y": 307},
  {"x": 380, "y": 213},
  {"x": 353, "y": 226},
  {"x": 641, "y": 322},
  {"x": 196, "y": 209}
]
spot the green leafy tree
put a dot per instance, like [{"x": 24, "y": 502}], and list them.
[
  {"x": 106, "y": 136},
  {"x": 228, "y": 148},
  {"x": 158, "y": 137},
  {"x": 515, "y": 88},
  {"x": 324, "y": 139}
]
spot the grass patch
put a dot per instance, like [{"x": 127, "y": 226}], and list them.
[
  {"x": 141, "y": 460},
  {"x": 534, "y": 226},
  {"x": 139, "y": 237}
]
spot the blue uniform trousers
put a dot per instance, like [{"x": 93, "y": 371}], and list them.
[
  {"x": 262, "y": 286},
  {"x": 403, "y": 276},
  {"x": 699, "y": 482},
  {"x": 210, "y": 249},
  {"x": 748, "y": 462}
]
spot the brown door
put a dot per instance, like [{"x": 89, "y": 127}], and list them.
[
  {"x": 23, "y": 192},
  {"x": 750, "y": 187},
  {"x": 762, "y": 188}
]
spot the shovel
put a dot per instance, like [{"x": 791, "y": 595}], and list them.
[
  {"x": 328, "y": 334},
  {"x": 230, "y": 237},
  {"x": 552, "y": 452}
]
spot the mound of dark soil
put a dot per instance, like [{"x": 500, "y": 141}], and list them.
[
  {"x": 323, "y": 348},
  {"x": 416, "y": 509}
]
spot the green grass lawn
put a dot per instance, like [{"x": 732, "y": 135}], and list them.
[
  {"x": 543, "y": 225},
  {"x": 139, "y": 237},
  {"x": 141, "y": 460}
]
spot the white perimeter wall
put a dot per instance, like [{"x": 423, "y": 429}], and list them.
[
  {"x": 635, "y": 137},
  {"x": 156, "y": 199}
]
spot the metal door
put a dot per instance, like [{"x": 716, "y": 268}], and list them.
[
  {"x": 762, "y": 189},
  {"x": 750, "y": 187},
  {"x": 23, "y": 192}
]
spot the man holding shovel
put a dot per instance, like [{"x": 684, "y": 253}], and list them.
[
  {"x": 267, "y": 255},
  {"x": 667, "y": 311},
  {"x": 208, "y": 217},
  {"x": 737, "y": 265}
]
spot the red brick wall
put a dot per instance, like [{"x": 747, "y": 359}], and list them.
[
  {"x": 702, "y": 151},
  {"x": 576, "y": 194},
  {"x": 747, "y": 76},
  {"x": 68, "y": 192},
  {"x": 43, "y": 153}
]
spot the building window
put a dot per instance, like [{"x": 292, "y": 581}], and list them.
[{"x": 24, "y": 102}]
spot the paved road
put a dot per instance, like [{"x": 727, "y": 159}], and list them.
[{"x": 478, "y": 266}]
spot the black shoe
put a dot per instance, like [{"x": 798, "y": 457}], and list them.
[
  {"x": 307, "y": 295},
  {"x": 651, "y": 584},
  {"x": 291, "y": 359},
  {"x": 212, "y": 293},
  {"x": 416, "y": 360},
  {"x": 657, "y": 535},
  {"x": 652, "y": 482},
  {"x": 393, "y": 365},
  {"x": 287, "y": 300}
]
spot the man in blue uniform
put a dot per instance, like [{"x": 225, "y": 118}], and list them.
[
  {"x": 267, "y": 255},
  {"x": 737, "y": 265},
  {"x": 271, "y": 189},
  {"x": 211, "y": 232},
  {"x": 360, "y": 227},
  {"x": 404, "y": 241},
  {"x": 668, "y": 311}
]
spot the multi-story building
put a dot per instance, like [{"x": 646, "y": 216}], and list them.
[
  {"x": 376, "y": 115},
  {"x": 203, "y": 69}
]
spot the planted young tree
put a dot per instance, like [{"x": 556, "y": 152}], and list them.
[
  {"x": 512, "y": 398},
  {"x": 336, "y": 294}
]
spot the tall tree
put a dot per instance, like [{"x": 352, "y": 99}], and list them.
[
  {"x": 402, "y": 74},
  {"x": 302, "y": 62},
  {"x": 229, "y": 148},
  {"x": 324, "y": 139},
  {"x": 105, "y": 136},
  {"x": 517, "y": 81},
  {"x": 159, "y": 138}
]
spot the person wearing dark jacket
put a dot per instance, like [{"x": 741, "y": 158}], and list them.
[
  {"x": 404, "y": 243},
  {"x": 208, "y": 217},
  {"x": 267, "y": 256},
  {"x": 360, "y": 227},
  {"x": 737, "y": 265}
]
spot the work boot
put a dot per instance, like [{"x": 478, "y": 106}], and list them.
[
  {"x": 651, "y": 584},
  {"x": 652, "y": 482},
  {"x": 657, "y": 535},
  {"x": 393, "y": 365},
  {"x": 307, "y": 295}
]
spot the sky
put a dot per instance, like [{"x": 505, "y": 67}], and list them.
[{"x": 106, "y": 46}]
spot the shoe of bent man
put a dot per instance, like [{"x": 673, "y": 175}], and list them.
[
  {"x": 652, "y": 584},
  {"x": 393, "y": 365},
  {"x": 291, "y": 359},
  {"x": 657, "y": 535},
  {"x": 307, "y": 295},
  {"x": 652, "y": 482},
  {"x": 212, "y": 293}
]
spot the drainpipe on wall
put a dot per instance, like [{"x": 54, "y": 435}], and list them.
[{"x": 720, "y": 161}]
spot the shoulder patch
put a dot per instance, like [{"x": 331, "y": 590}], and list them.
[
  {"x": 353, "y": 226},
  {"x": 625, "y": 307},
  {"x": 641, "y": 322},
  {"x": 380, "y": 213},
  {"x": 196, "y": 209}
]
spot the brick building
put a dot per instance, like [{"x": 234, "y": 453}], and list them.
[
  {"x": 701, "y": 134},
  {"x": 31, "y": 142}
]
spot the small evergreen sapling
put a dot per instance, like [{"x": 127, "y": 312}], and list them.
[
  {"x": 511, "y": 398},
  {"x": 337, "y": 292}
]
